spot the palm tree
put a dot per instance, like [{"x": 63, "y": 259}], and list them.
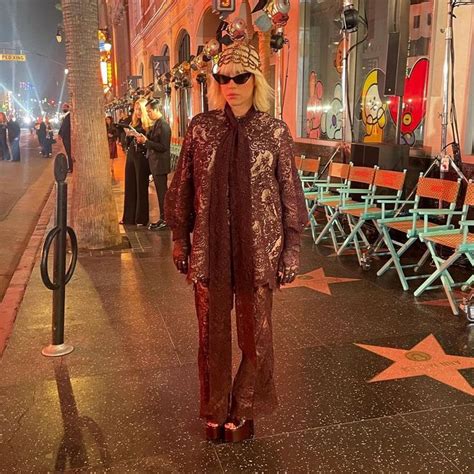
[{"x": 94, "y": 214}]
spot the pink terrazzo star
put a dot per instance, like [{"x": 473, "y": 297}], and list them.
[
  {"x": 317, "y": 281},
  {"x": 425, "y": 358}
]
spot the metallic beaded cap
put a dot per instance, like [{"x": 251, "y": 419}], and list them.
[{"x": 240, "y": 53}]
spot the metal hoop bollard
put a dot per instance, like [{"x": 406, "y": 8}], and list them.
[{"x": 61, "y": 277}]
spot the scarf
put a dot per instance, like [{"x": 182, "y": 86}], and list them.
[{"x": 230, "y": 253}]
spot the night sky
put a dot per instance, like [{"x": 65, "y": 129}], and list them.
[{"x": 32, "y": 25}]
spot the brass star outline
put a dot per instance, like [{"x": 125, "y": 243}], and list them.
[
  {"x": 317, "y": 281},
  {"x": 426, "y": 358}
]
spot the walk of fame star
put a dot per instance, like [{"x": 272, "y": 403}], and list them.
[
  {"x": 317, "y": 281},
  {"x": 425, "y": 358},
  {"x": 443, "y": 301}
]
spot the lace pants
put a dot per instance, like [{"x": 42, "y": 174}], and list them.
[{"x": 252, "y": 391}]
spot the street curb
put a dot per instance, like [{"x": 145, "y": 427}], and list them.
[{"x": 16, "y": 289}]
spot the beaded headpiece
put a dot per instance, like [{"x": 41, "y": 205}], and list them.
[{"x": 240, "y": 53}]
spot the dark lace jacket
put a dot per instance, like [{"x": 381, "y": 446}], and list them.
[{"x": 278, "y": 208}]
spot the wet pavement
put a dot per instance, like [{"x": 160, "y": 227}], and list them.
[
  {"x": 24, "y": 188},
  {"x": 126, "y": 399}
]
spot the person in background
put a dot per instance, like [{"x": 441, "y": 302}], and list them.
[
  {"x": 125, "y": 119},
  {"x": 137, "y": 170},
  {"x": 41, "y": 132},
  {"x": 112, "y": 135},
  {"x": 237, "y": 190},
  {"x": 157, "y": 143},
  {"x": 49, "y": 140},
  {"x": 14, "y": 132},
  {"x": 4, "y": 150},
  {"x": 65, "y": 135}
]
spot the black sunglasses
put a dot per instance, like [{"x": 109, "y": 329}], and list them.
[{"x": 240, "y": 79}]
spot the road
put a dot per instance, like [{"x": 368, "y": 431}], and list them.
[{"x": 24, "y": 188}]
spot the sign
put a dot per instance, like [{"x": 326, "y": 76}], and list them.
[
  {"x": 12, "y": 57},
  {"x": 224, "y": 6}
]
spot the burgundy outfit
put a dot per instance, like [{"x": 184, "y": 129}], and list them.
[{"x": 236, "y": 189}]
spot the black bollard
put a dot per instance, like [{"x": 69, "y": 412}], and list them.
[{"x": 61, "y": 277}]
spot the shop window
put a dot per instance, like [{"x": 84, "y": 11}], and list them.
[
  {"x": 184, "y": 96},
  {"x": 376, "y": 115},
  {"x": 320, "y": 71}
]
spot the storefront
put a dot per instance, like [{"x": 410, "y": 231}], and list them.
[{"x": 307, "y": 72}]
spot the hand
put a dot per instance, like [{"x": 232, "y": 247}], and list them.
[
  {"x": 288, "y": 266},
  {"x": 141, "y": 138},
  {"x": 181, "y": 251}
]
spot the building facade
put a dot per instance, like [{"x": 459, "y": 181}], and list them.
[{"x": 307, "y": 72}]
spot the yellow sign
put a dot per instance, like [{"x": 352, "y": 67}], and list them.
[{"x": 12, "y": 57}]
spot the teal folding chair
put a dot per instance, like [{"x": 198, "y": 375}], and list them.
[
  {"x": 358, "y": 214},
  {"x": 358, "y": 176},
  {"x": 443, "y": 191},
  {"x": 323, "y": 189},
  {"x": 460, "y": 241}
]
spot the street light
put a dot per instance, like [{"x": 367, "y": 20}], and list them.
[{"x": 66, "y": 71}]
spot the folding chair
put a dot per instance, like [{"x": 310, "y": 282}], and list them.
[
  {"x": 357, "y": 214},
  {"x": 308, "y": 170},
  {"x": 460, "y": 240},
  {"x": 443, "y": 191},
  {"x": 336, "y": 178},
  {"x": 361, "y": 175}
]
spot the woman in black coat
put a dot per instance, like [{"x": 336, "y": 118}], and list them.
[{"x": 137, "y": 171}]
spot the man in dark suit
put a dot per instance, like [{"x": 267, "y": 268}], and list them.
[
  {"x": 65, "y": 134},
  {"x": 157, "y": 142}
]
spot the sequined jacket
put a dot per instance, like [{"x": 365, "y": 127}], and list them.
[{"x": 278, "y": 208}]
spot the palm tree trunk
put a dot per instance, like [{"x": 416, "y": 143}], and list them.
[{"x": 94, "y": 214}]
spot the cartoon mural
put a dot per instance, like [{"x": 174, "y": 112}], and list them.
[
  {"x": 314, "y": 108},
  {"x": 372, "y": 107},
  {"x": 331, "y": 124},
  {"x": 414, "y": 103}
]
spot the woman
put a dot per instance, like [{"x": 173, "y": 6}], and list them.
[
  {"x": 112, "y": 136},
  {"x": 237, "y": 190},
  {"x": 4, "y": 150},
  {"x": 137, "y": 171}
]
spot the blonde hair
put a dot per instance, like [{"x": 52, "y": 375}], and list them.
[
  {"x": 262, "y": 95},
  {"x": 146, "y": 121}
]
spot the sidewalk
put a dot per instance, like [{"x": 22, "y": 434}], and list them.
[{"x": 126, "y": 400}]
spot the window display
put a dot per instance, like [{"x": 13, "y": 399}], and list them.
[{"x": 374, "y": 115}]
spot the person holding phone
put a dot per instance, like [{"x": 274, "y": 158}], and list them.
[
  {"x": 237, "y": 190},
  {"x": 137, "y": 171}
]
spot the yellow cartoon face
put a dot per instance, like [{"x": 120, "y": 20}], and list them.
[{"x": 373, "y": 106}]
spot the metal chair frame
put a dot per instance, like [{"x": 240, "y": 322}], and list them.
[
  {"x": 360, "y": 213},
  {"x": 321, "y": 189},
  {"x": 361, "y": 175},
  {"x": 443, "y": 191},
  {"x": 460, "y": 240}
]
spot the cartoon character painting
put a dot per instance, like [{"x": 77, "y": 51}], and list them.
[
  {"x": 373, "y": 107},
  {"x": 331, "y": 124},
  {"x": 314, "y": 109},
  {"x": 414, "y": 103}
]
